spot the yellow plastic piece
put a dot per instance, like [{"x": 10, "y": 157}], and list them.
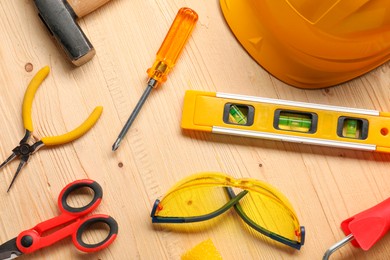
[
  {"x": 193, "y": 107},
  {"x": 201, "y": 193},
  {"x": 312, "y": 43},
  {"x": 173, "y": 44},
  {"x": 77, "y": 132},
  {"x": 29, "y": 97},
  {"x": 205, "y": 250},
  {"x": 204, "y": 111}
]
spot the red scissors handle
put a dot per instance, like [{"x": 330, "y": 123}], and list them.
[
  {"x": 33, "y": 239},
  {"x": 87, "y": 222}
]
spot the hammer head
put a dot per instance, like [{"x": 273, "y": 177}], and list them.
[{"x": 60, "y": 18}]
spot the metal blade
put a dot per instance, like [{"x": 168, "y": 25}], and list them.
[
  {"x": 9, "y": 159},
  {"x": 8, "y": 250},
  {"x": 23, "y": 162},
  {"x": 337, "y": 246}
]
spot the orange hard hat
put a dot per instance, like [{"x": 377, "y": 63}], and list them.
[{"x": 312, "y": 43}]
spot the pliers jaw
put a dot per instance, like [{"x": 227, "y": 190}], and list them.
[
  {"x": 17, "y": 151},
  {"x": 23, "y": 150}
]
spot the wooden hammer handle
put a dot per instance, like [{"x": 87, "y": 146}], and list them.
[{"x": 84, "y": 7}]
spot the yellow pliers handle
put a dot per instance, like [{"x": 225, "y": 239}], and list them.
[{"x": 60, "y": 139}]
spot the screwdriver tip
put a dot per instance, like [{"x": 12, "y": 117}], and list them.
[{"x": 115, "y": 146}]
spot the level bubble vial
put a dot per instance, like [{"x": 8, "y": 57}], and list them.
[
  {"x": 295, "y": 121},
  {"x": 238, "y": 114}
]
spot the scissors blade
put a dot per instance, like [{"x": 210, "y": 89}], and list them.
[
  {"x": 9, "y": 159},
  {"x": 9, "y": 250}
]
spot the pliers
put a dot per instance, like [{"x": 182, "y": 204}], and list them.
[{"x": 25, "y": 149}]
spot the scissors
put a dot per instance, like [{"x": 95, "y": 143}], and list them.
[
  {"x": 71, "y": 222},
  {"x": 25, "y": 149}
]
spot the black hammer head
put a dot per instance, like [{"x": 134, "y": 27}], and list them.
[{"x": 60, "y": 19}]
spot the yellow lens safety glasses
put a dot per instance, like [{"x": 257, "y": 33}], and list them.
[{"x": 205, "y": 196}]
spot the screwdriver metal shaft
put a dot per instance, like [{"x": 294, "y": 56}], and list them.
[
  {"x": 166, "y": 58},
  {"x": 134, "y": 114}
]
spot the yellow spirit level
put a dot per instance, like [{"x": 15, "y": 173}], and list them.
[{"x": 284, "y": 120}]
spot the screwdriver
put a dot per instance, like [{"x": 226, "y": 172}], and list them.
[
  {"x": 365, "y": 228},
  {"x": 166, "y": 58}
]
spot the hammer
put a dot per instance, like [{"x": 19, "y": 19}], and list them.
[{"x": 60, "y": 18}]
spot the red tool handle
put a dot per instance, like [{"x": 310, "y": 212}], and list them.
[
  {"x": 78, "y": 185},
  {"x": 70, "y": 223},
  {"x": 368, "y": 226}
]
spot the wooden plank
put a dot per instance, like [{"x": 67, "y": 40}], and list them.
[{"x": 324, "y": 185}]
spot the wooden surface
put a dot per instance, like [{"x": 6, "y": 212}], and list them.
[{"x": 324, "y": 185}]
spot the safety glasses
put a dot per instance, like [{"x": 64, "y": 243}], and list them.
[{"x": 205, "y": 196}]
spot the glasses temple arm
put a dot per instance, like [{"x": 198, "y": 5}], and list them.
[
  {"x": 252, "y": 224},
  {"x": 224, "y": 208}
]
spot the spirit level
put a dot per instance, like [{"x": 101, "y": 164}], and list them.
[{"x": 284, "y": 120}]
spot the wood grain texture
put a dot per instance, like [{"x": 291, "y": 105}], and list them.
[{"x": 325, "y": 185}]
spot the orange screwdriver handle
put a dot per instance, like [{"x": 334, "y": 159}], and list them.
[
  {"x": 173, "y": 44},
  {"x": 369, "y": 226}
]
